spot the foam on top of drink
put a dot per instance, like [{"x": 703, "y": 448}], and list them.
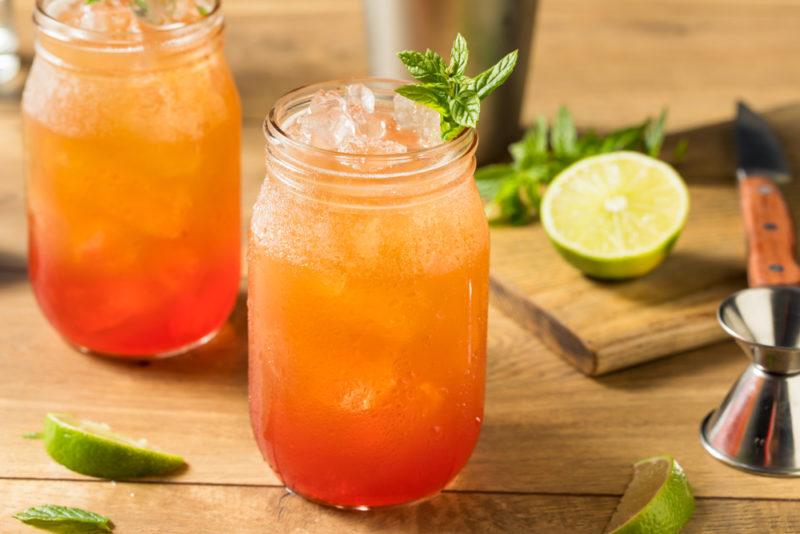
[
  {"x": 353, "y": 121},
  {"x": 127, "y": 16}
]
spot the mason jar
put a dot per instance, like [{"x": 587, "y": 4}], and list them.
[
  {"x": 368, "y": 288},
  {"x": 132, "y": 135}
]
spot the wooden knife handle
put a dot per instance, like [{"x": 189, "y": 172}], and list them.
[{"x": 770, "y": 233}]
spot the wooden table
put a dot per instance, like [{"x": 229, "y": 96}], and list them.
[{"x": 556, "y": 447}]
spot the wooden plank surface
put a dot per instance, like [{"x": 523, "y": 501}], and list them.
[
  {"x": 536, "y": 439},
  {"x": 547, "y": 428},
  {"x": 556, "y": 447},
  {"x": 612, "y": 62},
  {"x": 142, "y": 509},
  {"x": 605, "y": 326}
]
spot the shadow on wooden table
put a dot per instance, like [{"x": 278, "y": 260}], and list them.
[
  {"x": 710, "y": 154},
  {"x": 223, "y": 356},
  {"x": 13, "y": 268},
  {"x": 666, "y": 370},
  {"x": 459, "y": 511},
  {"x": 683, "y": 273}
]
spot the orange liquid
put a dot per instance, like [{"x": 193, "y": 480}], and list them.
[
  {"x": 367, "y": 342},
  {"x": 133, "y": 197}
]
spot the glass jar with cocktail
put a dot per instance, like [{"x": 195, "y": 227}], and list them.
[
  {"x": 368, "y": 285},
  {"x": 132, "y": 126}
]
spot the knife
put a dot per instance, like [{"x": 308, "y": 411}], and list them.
[{"x": 768, "y": 222}]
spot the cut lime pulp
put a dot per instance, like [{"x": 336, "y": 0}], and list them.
[
  {"x": 658, "y": 499},
  {"x": 617, "y": 215}
]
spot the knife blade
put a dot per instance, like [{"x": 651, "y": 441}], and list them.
[{"x": 758, "y": 148}]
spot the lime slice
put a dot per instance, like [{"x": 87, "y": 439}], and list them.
[
  {"x": 616, "y": 215},
  {"x": 93, "y": 449},
  {"x": 658, "y": 499}
]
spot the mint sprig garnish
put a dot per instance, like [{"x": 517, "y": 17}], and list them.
[
  {"x": 140, "y": 8},
  {"x": 513, "y": 191},
  {"x": 64, "y": 519},
  {"x": 447, "y": 89}
]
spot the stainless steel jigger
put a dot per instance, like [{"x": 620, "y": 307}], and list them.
[{"x": 757, "y": 426}]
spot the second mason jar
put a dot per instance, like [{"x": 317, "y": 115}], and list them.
[
  {"x": 132, "y": 126},
  {"x": 368, "y": 288}
]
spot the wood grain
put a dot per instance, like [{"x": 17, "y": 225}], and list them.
[
  {"x": 547, "y": 429},
  {"x": 601, "y": 327},
  {"x": 556, "y": 448},
  {"x": 770, "y": 233},
  {"x": 612, "y": 63},
  {"x": 141, "y": 509}
]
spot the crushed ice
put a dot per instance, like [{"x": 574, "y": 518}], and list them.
[
  {"x": 421, "y": 119},
  {"x": 125, "y": 16},
  {"x": 350, "y": 122}
]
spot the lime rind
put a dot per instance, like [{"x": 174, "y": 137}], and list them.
[
  {"x": 93, "y": 449},
  {"x": 621, "y": 268},
  {"x": 670, "y": 507},
  {"x": 631, "y": 262}
]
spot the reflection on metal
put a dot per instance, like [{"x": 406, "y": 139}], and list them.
[
  {"x": 754, "y": 428},
  {"x": 492, "y": 29}
]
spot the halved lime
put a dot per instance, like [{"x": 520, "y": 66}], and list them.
[
  {"x": 93, "y": 449},
  {"x": 615, "y": 215},
  {"x": 658, "y": 499}
]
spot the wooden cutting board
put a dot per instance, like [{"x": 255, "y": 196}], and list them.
[{"x": 600, "y": 327}]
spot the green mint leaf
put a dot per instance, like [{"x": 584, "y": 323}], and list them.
[
  {"x": 653, "y": 135},
  {"x": 538, "y": 137},
  {"x": 202, "y": 11},
  {"x": 624, "y": 139},
  {"x": 487, "y": 81},
  {"x": 447, "y": 89},
  {"x": 542, "y": 153},
  {"x": 588, "y": 144},
  {"x": 458, "y": 56},
  {"x": 432, "y": 96},
  {"x": 90, "y": 2},
  {"x": 489, "y": 178},
  {"x": 141, "y": 8},
  {"x": 465, "y": 107},
  {"x": 426, "y": 67},
  {"x": 56, "y": 518},
  {"x": 532, "y": 148},
  {"x": 33, "y": 435},
  {"x": 563, "y": 136},
  {"x": 680, "y": 150},
  {"x": 517, "y": 200},
  {"x": 449, "y": 129}
]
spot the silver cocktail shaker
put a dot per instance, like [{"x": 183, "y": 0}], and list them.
[{"x": 492, "y": 28}]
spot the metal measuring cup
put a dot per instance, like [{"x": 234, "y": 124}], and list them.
[{"x": 757, "y": 426}]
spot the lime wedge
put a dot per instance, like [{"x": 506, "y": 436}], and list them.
[
  {"x": 658, "y": 499},
  {"x": 93, "y": 449},
  {"x": 615, "y": 215}
]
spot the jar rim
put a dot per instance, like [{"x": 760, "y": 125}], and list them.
[
  {"x": 127, "y": 41},
  {"x": 442, "y": 153}
]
